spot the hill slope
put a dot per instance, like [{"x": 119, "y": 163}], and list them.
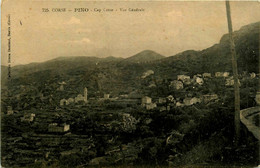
[
  {"x": 114, "y": 73},
  {"x": 218, "y": 57}
]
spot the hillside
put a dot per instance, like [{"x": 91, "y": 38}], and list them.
[
  {"x": 62, "y": 64},
  {"x": 218, "y": 58},
  {"x": 116, "y": 74}
]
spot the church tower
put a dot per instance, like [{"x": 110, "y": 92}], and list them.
[{"x": 85, "y": 95}]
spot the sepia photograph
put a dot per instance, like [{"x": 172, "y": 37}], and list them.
[{"x": 125, "y": 83}]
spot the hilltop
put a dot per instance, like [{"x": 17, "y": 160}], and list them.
[{"x": 144, "y": 56}]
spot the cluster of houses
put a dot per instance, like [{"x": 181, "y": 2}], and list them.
[
  {"x": 79, "y": 98},
  {"x": 29, "y": 117},
  {"x": 147, "y": 103},
  {"x": 199, "y": 79},
  {"x": 168, "y": 102},
  {"x": 187, "y": 80},
  {"x": 82, "y": 99}
]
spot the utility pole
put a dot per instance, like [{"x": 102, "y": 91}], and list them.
[{"x": 235, "y": 74}]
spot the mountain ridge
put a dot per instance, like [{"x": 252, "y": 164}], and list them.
[{"x": 212, "y": 59}]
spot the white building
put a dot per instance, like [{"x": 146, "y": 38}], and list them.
[
  {"x": 221, "y": 74},
  {"x": 206, "y": 75},
  {"x": 28, "y": 117},
  {"x": 252, "y": 75},
  {"x": 230, "y": 81},
  {"x": 161, "y": 100},
  {"x": 77, "y": 99},
  {"x": 54, "y": 127},
  {"x": 147, "y": 103},
  {"x": 106, "y": 96},
  {"x": 85, "y": 95},
  {"x": 183, "y": 77},
  {"x": 209, "y": 97},
  {"x": 70, "y": 100},
  {"x": 146, "y": 100},
  {"x": 178, "y": 104},
  {"x": 10, "y": 110},
  {"x": 176, "y": 84},
  {"x": 198, "y": 80},
  {"x": 151, "y": 106},
  {"x": 191, "y": 101},
  {"x": 170, "y": 98},
  {"x": 63, "y": 102}
]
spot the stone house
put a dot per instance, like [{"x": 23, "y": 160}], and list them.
[
  {"x": 221, "y": 74},
  {"x": 176, "y": 84},
  {"x": 190, "y": 101},
  {"x": 206, "y": 75},
  {"x": 106, "y": 96},
  {"x": 150, "y": 106},
  {"x": 161, "y": 100},
  {"x": 79, "y": 98},
  {"x": 63, "y": 102},
  {"x": 162, "y": 108},
  {"x": 225, "y": 74},
  {"x": 10, "y": 110},
  {"x": 209, "y": 97},
  {"x": 70, "y": 100},
  {"x": 28, "y": 117},
  {"x": 218, "y": 74},
  {"x": 183, "y": 77},
  {"x": 146, "y": 100},
  {"x": 178, "y": 104},
  {"x": 147, "y": 103},
  {"x": 198, "y": 80},
  {"x": 230, "y": 81},
  {"x": 252, "y": 75},
  {"x": 54, "y": 127},
  {"x": 171, "y": 99}
]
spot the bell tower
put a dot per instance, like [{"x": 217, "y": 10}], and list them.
[{"x": 85, "y": 95}]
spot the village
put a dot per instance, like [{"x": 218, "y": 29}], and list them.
[
  {"x": 57, "y": 121},
  {"x": 145, "y": 101}
]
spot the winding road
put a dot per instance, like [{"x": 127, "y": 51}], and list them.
[{"x": 248, "y": 117}]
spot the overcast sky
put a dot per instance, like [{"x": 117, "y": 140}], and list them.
[{"x": 165, "y": 27}]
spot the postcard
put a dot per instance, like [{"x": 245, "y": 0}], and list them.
[{"x": 130, "y": 83}]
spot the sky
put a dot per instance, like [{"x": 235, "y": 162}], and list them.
[{"x": 167, "y": 28}]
